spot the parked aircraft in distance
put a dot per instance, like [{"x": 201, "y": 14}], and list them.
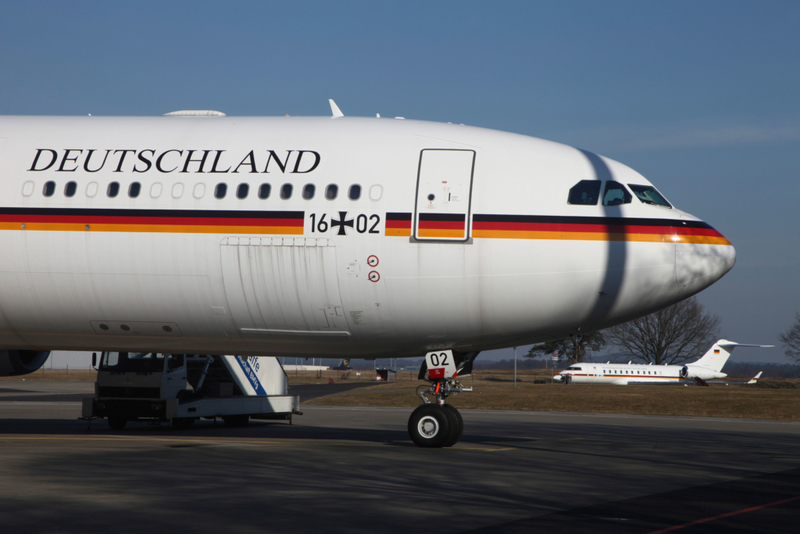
[
  {"x": 706, "y": 368},
  {"x": 326, "y": 237}
]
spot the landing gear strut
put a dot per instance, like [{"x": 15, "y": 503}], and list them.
[{"x": 437, "y": 424}]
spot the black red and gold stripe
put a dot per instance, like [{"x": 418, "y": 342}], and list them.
[
  {"x": 595, "y": 229},
  {"x": 169, "y": 221},
  {"x": 398, "y": 224},
  {"x": 441, "y": 225},
  {"x": 563, "y": 228}
]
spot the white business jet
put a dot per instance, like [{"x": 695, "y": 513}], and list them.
[
  {"x": 332, "y": 237},
  {"x": 706, "y": 368}
]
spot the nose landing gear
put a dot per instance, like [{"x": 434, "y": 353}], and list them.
[{"x": 438, "y": 424}]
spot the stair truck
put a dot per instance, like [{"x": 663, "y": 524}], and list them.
[{"x": 182, "y": 388}]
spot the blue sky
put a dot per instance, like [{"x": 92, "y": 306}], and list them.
[{"x": 701, "y": 97}]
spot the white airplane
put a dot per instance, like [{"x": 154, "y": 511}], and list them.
[
  {"x": 332, "y": 237},
  {"x": 706, "y": 368}
]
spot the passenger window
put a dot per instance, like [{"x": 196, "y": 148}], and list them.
[
  {"x": 649, "y": 195},
  {"x": 27, "y": 188},
  {"x": 70, "y": 188},
  {"x": 355, "y": 192},
  {"x": 375, "y": 192},
  {"x": 242, "y": 191},
  {"x": 155, "y": 190},
  {"x": 615, "y": 194},
  {"x": 585, "y": 193},
  {"x": 221, "y": 190},
  {"x": 177, "y": 190},
  {"x": 264, "y": 190},
  {"x": 199, "y": 190},
  {"x": 91, "y": 189},
  {"x": 134, "y": 189},
  {"x": 286, "y": 191},
  {"x": 113, "y": 189},
  {"x": 49, "y": 189},
  {"x": 331, "y": 192},
  {"x": 308, "y": 191}
]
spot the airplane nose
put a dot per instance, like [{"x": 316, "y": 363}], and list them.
[{"x": 702, "y": 256}]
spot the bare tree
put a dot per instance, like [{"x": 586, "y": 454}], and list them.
[
  {"x": 670, "y": 336},
  {"x": 575, "y": 348},
  {"x": 791, "y": 340}
]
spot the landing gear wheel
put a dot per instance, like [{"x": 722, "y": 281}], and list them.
[
  {"x": 456, "y": 425},
  {"x": 235, "y": 421},
  {"x": 429, "y": 426},
  {"x": 117, "y": 421}
]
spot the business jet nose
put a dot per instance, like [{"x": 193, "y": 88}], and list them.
[{"x": 702, "y": 256}]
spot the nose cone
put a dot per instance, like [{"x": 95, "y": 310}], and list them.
[{"x": 702, "y": 256}]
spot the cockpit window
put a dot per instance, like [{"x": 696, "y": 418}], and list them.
[
  {"x": 615, "y": 194},
  {"x": 585, "y": 192},
  {"x": 574, "y": 369},
  {"x": 649, "y": 195}
]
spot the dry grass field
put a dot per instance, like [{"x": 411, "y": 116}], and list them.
[
  {"x": 771, "y": 399},
  {"x": 495, "y": 390}
]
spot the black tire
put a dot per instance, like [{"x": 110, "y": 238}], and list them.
[
  {"x": 429, "y": 426},
  {"x": 235, "y": 421},
  {"x": 117, "y": 421},
  {"x": 456, "y": 425}
]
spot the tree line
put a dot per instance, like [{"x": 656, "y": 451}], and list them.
[{"x": 679, "y": 333}]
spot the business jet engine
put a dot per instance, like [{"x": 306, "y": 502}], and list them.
[{"x": 21, "y": 362}]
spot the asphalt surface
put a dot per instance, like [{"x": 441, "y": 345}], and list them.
[{"x": 356, "y": 470}]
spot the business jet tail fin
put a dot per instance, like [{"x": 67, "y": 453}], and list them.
[{"x": 718, "y": 354}]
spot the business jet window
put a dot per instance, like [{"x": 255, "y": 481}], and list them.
[
  {"x": 615, "y": 194},
  {"x": 308, "y": 191},
  {"x": 70, "y": 188},
  {"x": 134, "y": 189},
  {"x": 49, "y": 189},
  {"x": 286, "y": 191},
  {"x": 221, "y": 190},
  {"x": 242, "y": 191},
  {"x": 264, "y": 190},
  {"x": 355, "y": 192},
  {"x": 113, "y": 189},
  {"x": 585, "y": 193},
  {"x": 331, "y": 192},
  {"x": 649, "y": 195}
]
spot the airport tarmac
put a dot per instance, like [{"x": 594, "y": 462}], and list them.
[{"x": 356, "y": 470}]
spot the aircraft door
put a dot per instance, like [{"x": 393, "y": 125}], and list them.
[
  {"x": 282, "y": 285},
  {"x": 444, "y": 194}
]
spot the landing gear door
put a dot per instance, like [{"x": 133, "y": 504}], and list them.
[{"x": 444, "y": 193}]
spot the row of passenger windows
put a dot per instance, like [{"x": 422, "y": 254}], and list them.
[
  {"x": 627, "y": 372},
  {"x": 264, "y": 191},
  {"x": 587, "y": 193},
  {"x": 621, "y": 371}
]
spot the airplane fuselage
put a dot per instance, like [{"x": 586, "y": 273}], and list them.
[
  {"x": 326, "y": 237},
  {"x": 624, "y": 374}
]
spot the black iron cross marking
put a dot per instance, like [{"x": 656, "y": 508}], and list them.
[{"x": 341, "y": 223}]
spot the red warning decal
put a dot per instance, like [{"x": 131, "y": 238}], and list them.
[{"x": 436, "y": 373}]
